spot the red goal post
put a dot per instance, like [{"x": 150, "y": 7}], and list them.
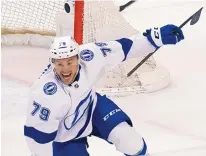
[{"x": 94, "y": 21}]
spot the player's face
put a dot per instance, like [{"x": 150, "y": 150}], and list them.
[{"x": 67, "y": 69}]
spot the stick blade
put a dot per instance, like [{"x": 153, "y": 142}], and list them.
[
  {"x": 196, "y": 17},
  {"x": 121, "y": 8}
]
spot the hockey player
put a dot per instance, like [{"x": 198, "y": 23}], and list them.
[{"x": 64, "y": 109}]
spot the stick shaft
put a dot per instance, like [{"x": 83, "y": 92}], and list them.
[{"x": 195, "y": 16}]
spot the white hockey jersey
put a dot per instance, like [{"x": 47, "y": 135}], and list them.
[{"x": 58, "y": 112}]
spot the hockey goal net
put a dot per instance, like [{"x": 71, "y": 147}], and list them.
[{"x": 34, "y": 23}]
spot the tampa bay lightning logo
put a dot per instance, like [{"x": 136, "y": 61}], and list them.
[
  {"x": 86, "y": 55},
  {"x": 50, "y": 88}
]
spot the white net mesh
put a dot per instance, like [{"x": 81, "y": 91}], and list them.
[
  {"x": 30, "y": 16},
  {"x": 102, "y": 21}
]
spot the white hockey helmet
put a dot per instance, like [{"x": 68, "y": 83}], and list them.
[{"x": 63, "y": 47}]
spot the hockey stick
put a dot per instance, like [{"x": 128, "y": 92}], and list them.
[
  {"x": 193, "y": 20},
  {"x": 122, "y": 7}
]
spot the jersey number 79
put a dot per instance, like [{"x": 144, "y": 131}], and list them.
[{"x": 41, "y": 111}]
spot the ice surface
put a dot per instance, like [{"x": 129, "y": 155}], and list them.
[{"x": 172, "y": 121}]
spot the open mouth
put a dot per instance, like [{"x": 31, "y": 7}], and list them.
[{"x": 66, "y": 76}]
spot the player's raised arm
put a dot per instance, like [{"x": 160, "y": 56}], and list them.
[{"x": 140, "y": 45}]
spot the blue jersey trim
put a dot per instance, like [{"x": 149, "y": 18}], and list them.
[
  {"x": 76, "y": 119},
  {"x": 38, "y": 136},
  {"x": 79, "y": 105},
  {"x": 126, "y": 46},
  {"x": 87, "y": 121}
]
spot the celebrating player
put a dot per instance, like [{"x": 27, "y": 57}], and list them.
[{"x": 64, "y": 108}]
